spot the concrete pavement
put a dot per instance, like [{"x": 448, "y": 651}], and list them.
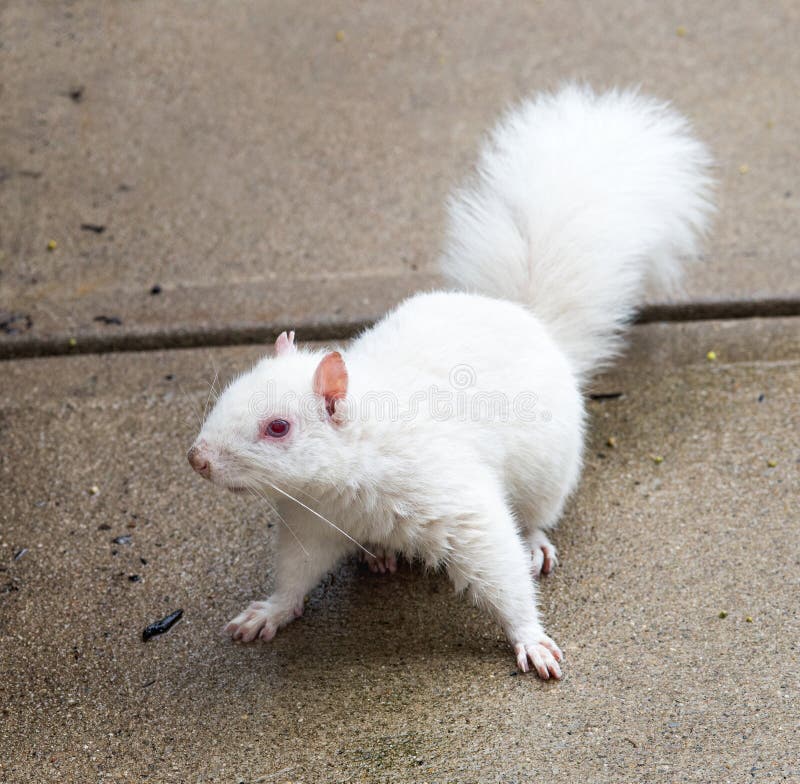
[
  {"x": 212, "y": 173},
  {"x": 251, "y": 157},
  {"x": 395, "y": 679}
]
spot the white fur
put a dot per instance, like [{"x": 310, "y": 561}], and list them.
[{"x": 579, "y": 200}]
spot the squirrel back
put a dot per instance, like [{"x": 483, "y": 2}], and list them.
[{"x": 580, "y": 204}]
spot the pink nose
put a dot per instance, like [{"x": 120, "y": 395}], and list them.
[{"x": 199, "y": 461}]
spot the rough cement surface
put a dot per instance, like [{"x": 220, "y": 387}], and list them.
[
  {"x": 254, "y": 158},
  {"x": 395, "y": 679}
]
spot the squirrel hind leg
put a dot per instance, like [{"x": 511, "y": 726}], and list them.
[
  {"x": 382, "y": 561},
  {"x": 488, "y": 558},
  {"x": 536, "y": 519},
  {"x": 544, "y": 556}
]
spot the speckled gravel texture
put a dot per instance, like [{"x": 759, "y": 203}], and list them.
[
  {"x": 244, "y": 148},
  {"x": 395, "y": 679}
]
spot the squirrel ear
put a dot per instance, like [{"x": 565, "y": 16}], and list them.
[
  {"x": 330, "y": 382},
  {"x": 285, "y": 344}
]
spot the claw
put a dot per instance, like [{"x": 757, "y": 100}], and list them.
[
  {"x": 383, "y": 561},
  {"x": 522, "y": 657},
  {"x": 543, "y": 555},
  {"x": 552, "y": 647},
  {"x": 261, "y": 620},
  {"x": 544, "y": 655},
  {"x": 267, "y": 633}
]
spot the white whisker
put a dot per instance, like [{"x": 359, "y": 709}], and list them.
[
  {"x": 254, "y": 455},
  {"x": 321, "y": 517},
  {"x": 216, "y": 379},
  {"x": 210, "y": 391},
  {"x": 191, "y": 403},
  {"x": 275, "y": 511},
  {"x": 296, "y": 489}
]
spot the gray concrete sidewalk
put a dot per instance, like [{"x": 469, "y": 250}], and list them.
[
  {"x": 213, "y": 172},
  {"x": 395, "y": 679},
  {"x": 267, "y": 162}
]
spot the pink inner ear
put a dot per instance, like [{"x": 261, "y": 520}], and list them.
[
  {"x": 330, "y": 380},
  {"x": 285, "y": 343}
]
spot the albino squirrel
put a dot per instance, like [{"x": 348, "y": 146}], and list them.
[{"x": 451, "y": 431}]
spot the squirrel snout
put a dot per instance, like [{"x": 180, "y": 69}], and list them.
[{"x": 198, "y": 459}]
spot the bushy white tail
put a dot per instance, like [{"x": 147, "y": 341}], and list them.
[{"x": 580, "y": 204}]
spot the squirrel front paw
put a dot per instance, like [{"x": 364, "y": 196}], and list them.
[
  {"x": 262, "y": 620},
  {"x": 542, "y": 653}
]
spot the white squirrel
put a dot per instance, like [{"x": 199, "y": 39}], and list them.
[{"x": 452, "y": 430}]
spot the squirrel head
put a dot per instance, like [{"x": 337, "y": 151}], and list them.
[{"x": 279, "y": 425}]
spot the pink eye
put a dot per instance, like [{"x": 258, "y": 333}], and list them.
[{"x": 277, "y": 428}]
